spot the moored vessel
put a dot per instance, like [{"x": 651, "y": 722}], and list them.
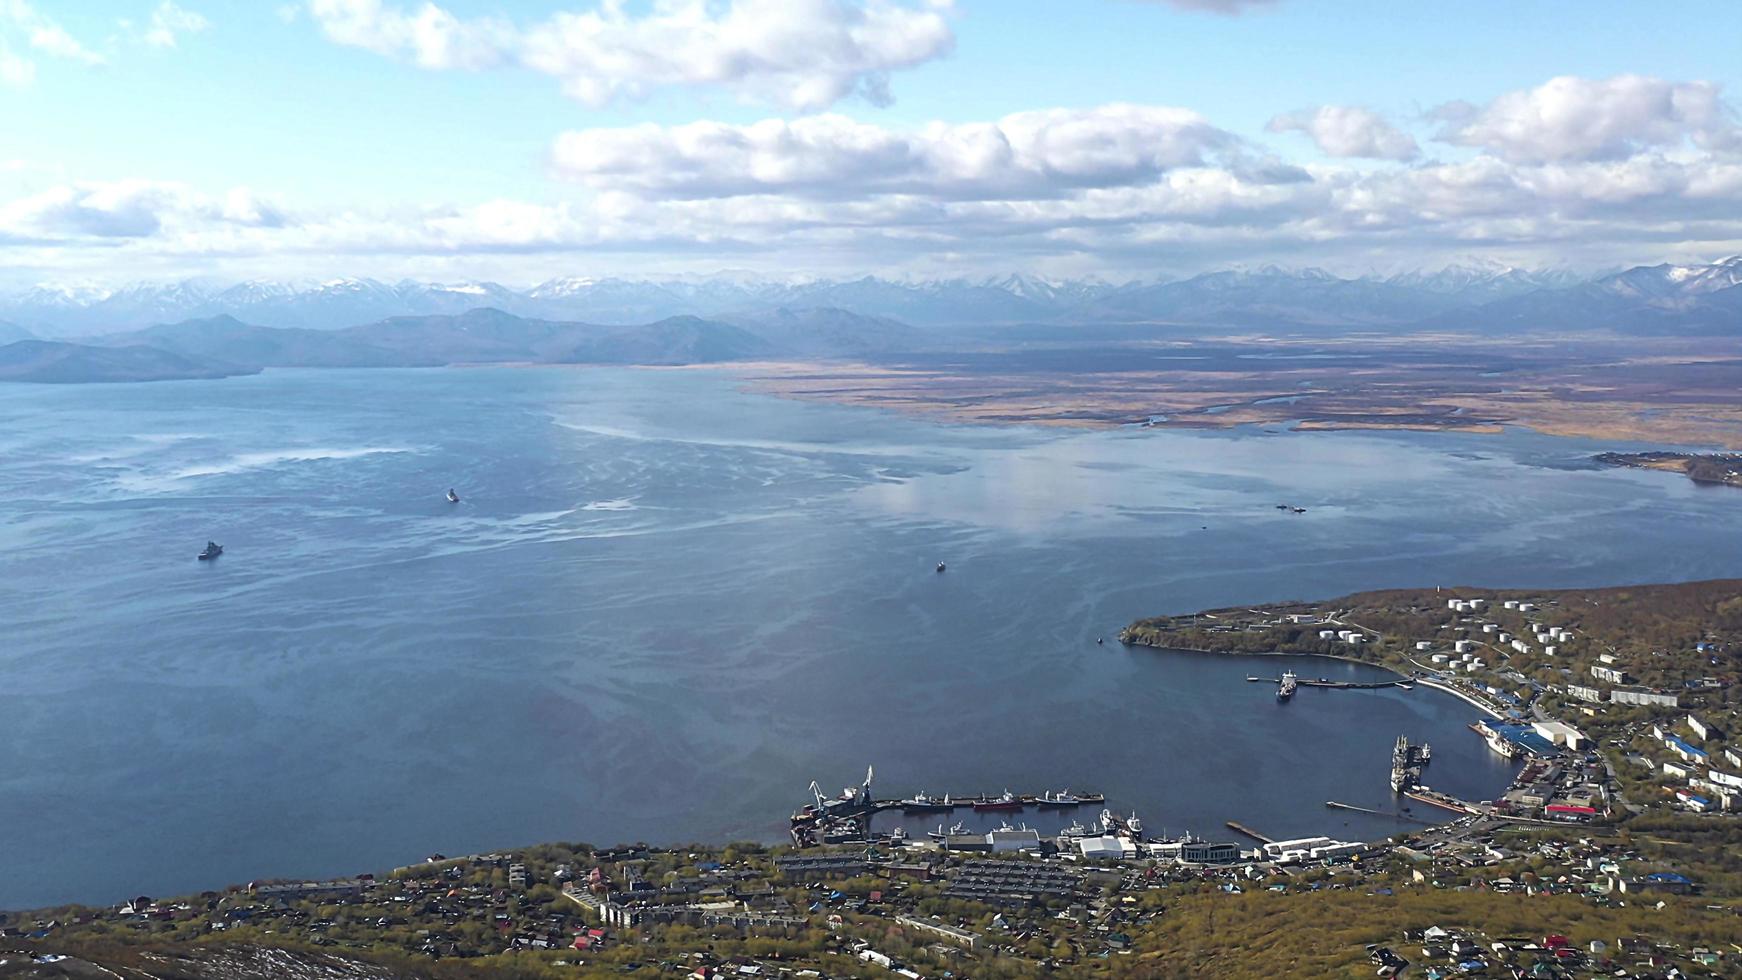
[
  {"x": 1285, "y": 690},
  {"x": 1006, "y": 802}
]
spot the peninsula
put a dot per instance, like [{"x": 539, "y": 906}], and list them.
[{"x": 1720, "y": 468}]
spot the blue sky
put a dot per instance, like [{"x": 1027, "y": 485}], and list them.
[{"x": 485, "y": 139}]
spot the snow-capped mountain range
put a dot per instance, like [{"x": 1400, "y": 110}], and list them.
[{"x": 1697, "y": 298}]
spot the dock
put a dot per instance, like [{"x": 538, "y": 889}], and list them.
[
  {"x": 1339, "y": 685},
  {"x": 1241, "y": 828},
  {"x": 851, "y": 812},
  {"x": 1334, "y": 805},
  {"x": 1422, "y": 794}
]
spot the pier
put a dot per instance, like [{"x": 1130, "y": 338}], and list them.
[
  {"x": 1422, "y": 794},
  {"x": 1334, "y": 805},
  {"x": 848, "y": 816},
  {"x": 1241, "y": 828},
  {"x": 1339, "y": 685}
]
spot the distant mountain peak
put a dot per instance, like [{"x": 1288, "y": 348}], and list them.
[{"x": 1242, "y": 296}]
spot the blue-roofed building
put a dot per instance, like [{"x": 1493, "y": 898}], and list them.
[
  {"x": 1528, "y": 739},
  {"x": 1689, "y": 752}
]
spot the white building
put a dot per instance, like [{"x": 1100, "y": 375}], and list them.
[
  {"x": 1106, "y": 848},
  {"x": 1007, "y": 841},
  {"x": 1561, "y": 733},
  {"x": 1642, "y": 696}
]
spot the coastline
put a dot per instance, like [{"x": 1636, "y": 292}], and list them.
[
  {"x": 1274, "y": 653},
  {"x": 1423, "y": 680},
  {"x": 1454, "y": 692}
]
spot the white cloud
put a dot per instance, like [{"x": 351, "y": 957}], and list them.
[
  {"x": 1349, "y": 131},
  {"x": 168, "y": 21},
  {"x": 1117, "y": 187},
  {"x": 1571, "y": 118},
  {"x": 1025, "y": 155},
  {"x": 40, "y": 33},
  {"x": 16, "y": 72},
  {"x": 128, "y": 209},
  {"x": 430, "y": 36},
  {"x": 803, "y": 54}
]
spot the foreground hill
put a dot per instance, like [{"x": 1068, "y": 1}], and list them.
[{"x": 51, "y": 362}]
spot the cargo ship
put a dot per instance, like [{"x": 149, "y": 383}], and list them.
[
  {"x": 921, "y": 803},
  {"x": 1065, "y": 798},
  {"x": 1006, "y": 802},
  {"x": 1285, "y": 690}
]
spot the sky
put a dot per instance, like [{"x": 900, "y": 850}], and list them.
[{"x": 521, "y": 140}]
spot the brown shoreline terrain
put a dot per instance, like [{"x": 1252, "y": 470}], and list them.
[
  {"x": 1720, "y": 468},
  {"x": 1677, "y": 391}
]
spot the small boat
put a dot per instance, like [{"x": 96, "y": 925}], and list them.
[
  {"x": 1299, "y": 510},
  {"x": 453, "y": 498},
  {"x": 1006, "y": 802},
  {"x": 940, "y": 567},
  {"x": 921, "y": 803},
  {"x": 213, "y": 550},
  {"x": 940, "y": 833}
]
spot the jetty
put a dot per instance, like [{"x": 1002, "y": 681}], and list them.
[
  {"x": 1334, "y": 805},
  {"x": 1337, "y": 685},
  {"x": 1241, "y": 828}
]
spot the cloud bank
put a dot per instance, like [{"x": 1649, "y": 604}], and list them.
[
  {"x": 1650, "y": 168},
  {"x": 798, "y": 54}
]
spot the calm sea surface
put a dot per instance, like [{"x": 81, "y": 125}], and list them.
[{"x": 664, "y": 606}]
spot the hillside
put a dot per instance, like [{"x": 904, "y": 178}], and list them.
[{"x": 51, "y": 362}]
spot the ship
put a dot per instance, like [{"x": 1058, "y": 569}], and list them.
[
  {"x": 1285, "y": 690},
  {"x": 1501, "y": 745},
  {"x": 213, "y": 550},
  {"x": 1065, "y": 798},
  {"x": 1006, "y": 802},
  {"x": 921, "y": 803},
  {"x": 956, "y": 830}
]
